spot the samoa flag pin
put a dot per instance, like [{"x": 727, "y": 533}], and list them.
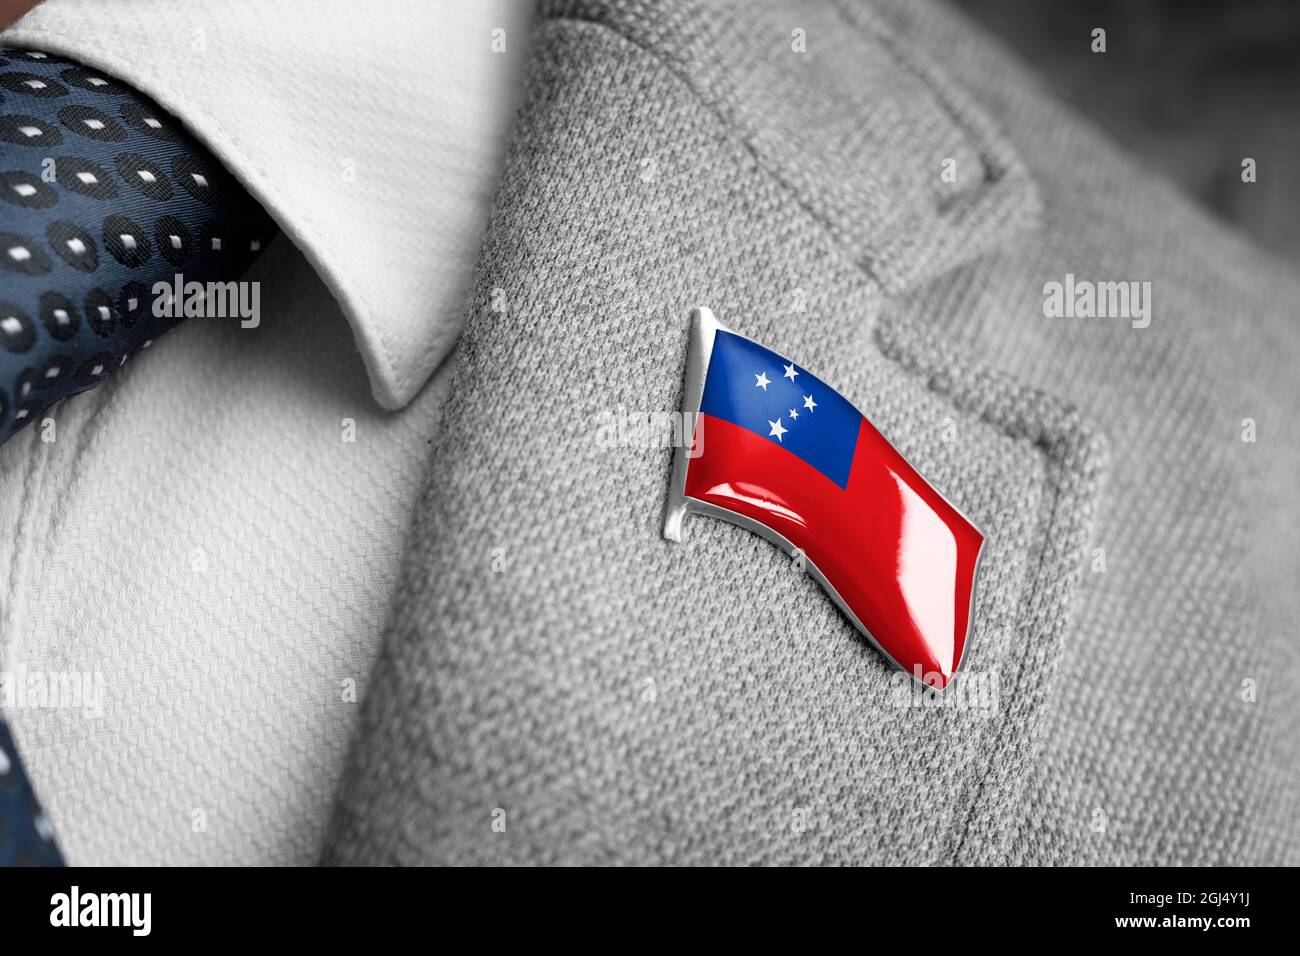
[{"x": 781, "y": 453}]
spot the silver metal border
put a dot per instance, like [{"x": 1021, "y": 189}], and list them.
[
  {"x": 704, "y": 329},
  {"x": 680, "y": 506}
]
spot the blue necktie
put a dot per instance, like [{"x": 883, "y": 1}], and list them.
[
  {"x": 102, "y": 195},
  {"x": 25, "y": 837}
]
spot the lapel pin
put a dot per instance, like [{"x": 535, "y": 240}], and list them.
[{"x": 780, "y": 453}]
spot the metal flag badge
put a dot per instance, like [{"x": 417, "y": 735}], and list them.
[{"x": 790, "y": 458}]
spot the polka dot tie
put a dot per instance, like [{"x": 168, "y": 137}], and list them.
[
  {"x": 25, "y": 837},
  {"x": 102, "y": 195}
]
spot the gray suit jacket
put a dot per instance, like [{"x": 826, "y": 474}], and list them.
[{"x": 559, "y": 684}]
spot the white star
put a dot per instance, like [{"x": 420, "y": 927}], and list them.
[
  {"x": 794, "y": 415},
  {"x": 762, "y": 380},
  {"x": 790, "y": 373},
  {"x": 808, "y": 403},
  {"x": 777, "y": 430}
]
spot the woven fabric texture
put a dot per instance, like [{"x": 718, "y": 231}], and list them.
[{"x": 559, "y": 684}]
